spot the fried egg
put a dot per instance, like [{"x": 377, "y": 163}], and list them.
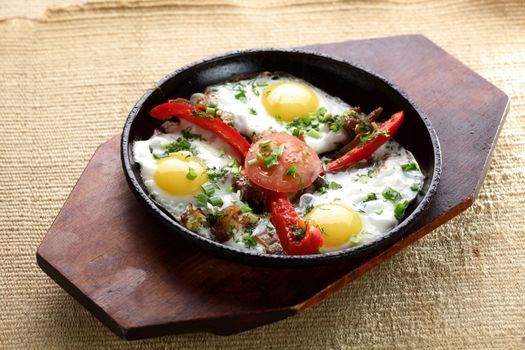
[
  {"x": 279, "y": 102},
  {"x": 365, "y": 201},
  {"x": 174, "y": 166}
]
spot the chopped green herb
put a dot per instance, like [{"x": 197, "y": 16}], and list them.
[
  {"x": 235, "y": 168},
  {"x": 399, "y": 209},
  {"x": 249, "y": 241},
  {"x": 241, "y": 94},
  {"x": 409, "y": 166},
  {"x": 392, "y": 195},
  {"x": 216, "y": 173},
  {"x": 252, "y": 161},
  {"x": 187, "y": 134},
  {"x": 216, "y": 201},
  {"x": 313, "y": 133},
  {"x": 414, "y": 188},
  {"x": 335, "y": 186},
  {"x": 278, "y": 151},
  {"x": 265, "y": 142},
  {"x": 200, "y": 114},
  {"x": 210, "y": 110},
  {"x": 298, "y": 232},
  {"x": 379, "y": 211},
  {"x": 252, "y": 111},
  {"x": 245, "y": 208},
  {"x": 308, "y": 209},
  {"x": 202, "y": 199},
  {"x": 252, "y": 218},
  {"x": 229, "y": 189},
  {"x": 291, "y": 171},
  {"x": 208, "y": 188},
  {"x": 295, "y": 131},
  {"x": 321, "y": 111},
  {"x": 270, "y": 161},
  {"x": 214, "y": 216},
  {"x": 192, "y": 174},
  {"x": 181, "y": 144},
  {"x": 371, "y": 197}
]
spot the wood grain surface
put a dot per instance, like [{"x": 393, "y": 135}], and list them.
[{"x": 106, "y": 252}]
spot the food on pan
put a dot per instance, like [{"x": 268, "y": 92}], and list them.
[{"x": 270, "y": 163}]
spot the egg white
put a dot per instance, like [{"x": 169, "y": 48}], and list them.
[{"x": 251, "y": 117}]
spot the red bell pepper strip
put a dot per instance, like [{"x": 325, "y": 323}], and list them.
[
  {"x": 296, "y": 237},
  {"x": 364, "y": 151},
  {"x": 188, "y": 112}
]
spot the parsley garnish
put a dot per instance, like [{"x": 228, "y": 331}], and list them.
[
  {"x": 181, "y": 144},
  {"x": 216, "y": 201},
  {"x": 409, "y": 166},
  {"x": 192, "y": 174},
  {"x": 187, "y": 134},
  {"x": 313, "y": 133},
  {"x": 335, "y": 186},
  {"x": 371, "y": 197},
  {"x": 240, "y": 92},
  {"x": 308, "y": 209},
  {"x": 235, "y": 168},
  {"x": 392, "y": 195},
  {"x": 208, "y": 188},
  {"x": 291, "y": 171},
  {"x": 211, "y": 111},
  {"x": 298, "y": 232},
  {"x": 269, "y": 155},
  {"x": 214, "y": 216},
  {"x": 245, "y": 208},
  {"x": 252, "y": 111},
  {"x": 202, "y": 199},
  {"x": 249, "y": 241},
  {"x": 414, "y": 188},
  {"x": 201, "y": 114},
  {"x": 216, "y": 173},
  {"x": 399, "y": 209}
]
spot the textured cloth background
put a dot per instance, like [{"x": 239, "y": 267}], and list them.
[{"x": 69, "y": 76}]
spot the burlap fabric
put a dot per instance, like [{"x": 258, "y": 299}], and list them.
[{"x": 69, "y": 76}]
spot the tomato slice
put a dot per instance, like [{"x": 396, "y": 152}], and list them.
[{"x": 282, "y": 163}]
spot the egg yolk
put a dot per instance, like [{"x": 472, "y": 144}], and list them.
[
  {"x": 180, "y": 174},
  {"x": 337, "y": 222},
  {"x": 289, "y": 100}
]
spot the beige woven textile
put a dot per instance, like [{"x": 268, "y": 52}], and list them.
[{"x": 69, "y": 76}]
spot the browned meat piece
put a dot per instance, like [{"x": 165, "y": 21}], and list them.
[
  {"x": 374, "y": 115},
  {"x": 316, "y": 185},
  {"x": 170, "y": 127},
  {"x": 250, "y": 193},
  {"x": 352, "y": 127},
  {"x": 193, "y": 218},
  {"x": 270, "y": 242},
  {"x": 232, "y": 220}
]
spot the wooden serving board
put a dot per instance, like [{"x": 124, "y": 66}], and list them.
[{"x": 142, "y": 282}]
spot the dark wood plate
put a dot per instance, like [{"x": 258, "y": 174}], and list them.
[{"x": 114, "y": 259}]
